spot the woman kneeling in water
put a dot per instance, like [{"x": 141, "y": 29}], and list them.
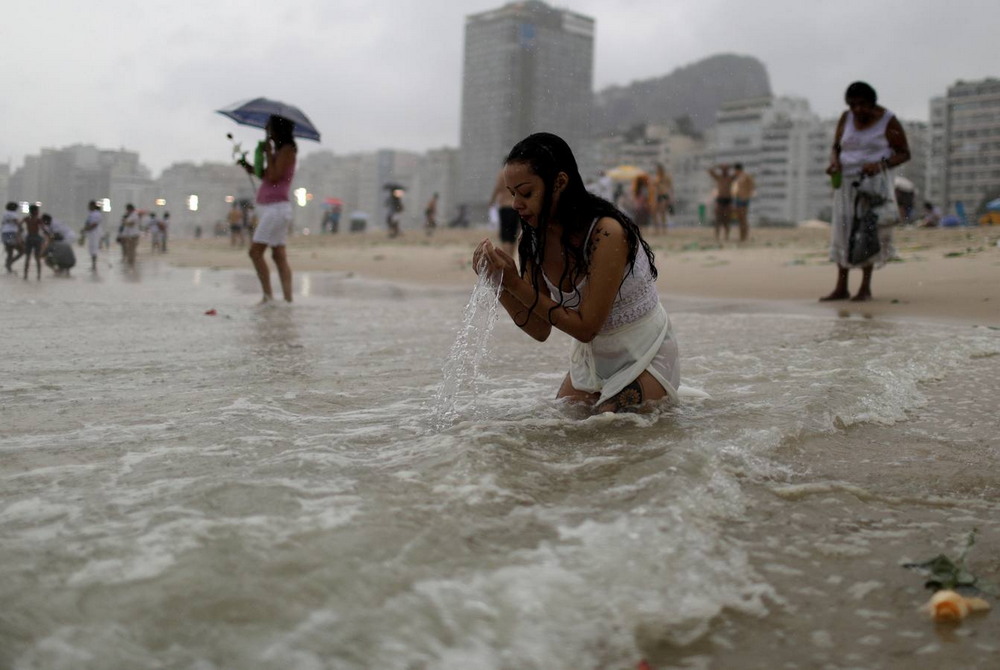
[{"x": 586, "y": 270}]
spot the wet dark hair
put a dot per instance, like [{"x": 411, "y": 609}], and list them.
[
  {"x": 281, "y": 130},
  {"x": 11, "y": 206},
  {"x": 862, "y": 91},
  {"x": 737, "y": 166},
  {"x": 547, "y": 155}
]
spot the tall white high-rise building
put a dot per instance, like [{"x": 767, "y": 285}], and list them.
[
  {"x": 528, "y": 67},
  {"x": 972, "y": 144}
]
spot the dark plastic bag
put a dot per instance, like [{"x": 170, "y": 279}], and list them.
[{"x": 863, "y": 242}]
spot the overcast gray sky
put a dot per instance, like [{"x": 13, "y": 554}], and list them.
[{"x": 147, "y": 75}]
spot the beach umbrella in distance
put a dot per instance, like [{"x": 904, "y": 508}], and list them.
[
  {"x": 993, "y": 205},
  {"x": 256, "y": 112},
  {"x": 625, "y": 172},
  {"x": 334, "y": 201},
  {"x": 393, "y": 186},
  {"x": 903, "y": 184}
]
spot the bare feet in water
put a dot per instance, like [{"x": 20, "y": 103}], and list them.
[
  {"x": 862, "y": 296},
  {"x": 836, "y": 295}
]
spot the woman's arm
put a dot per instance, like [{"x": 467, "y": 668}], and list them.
[
  {"x": 527, "y": 321},
  {"x": 492, "y": 260},
  {"x": 608, "y": 256},
  {"x": 896, "y": 137}
]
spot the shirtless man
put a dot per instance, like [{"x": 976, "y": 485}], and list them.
[
  {"x": 743, "y": 190},
  {"x": 723, "y": 197},
  {"x": 236, "y": 227},
  {"x": 36, "y": 238}
]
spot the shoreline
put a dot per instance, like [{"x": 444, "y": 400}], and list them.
[{"x": 941, "y": 275}]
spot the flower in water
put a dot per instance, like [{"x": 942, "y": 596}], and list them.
[{"x": 948, "y": 605}]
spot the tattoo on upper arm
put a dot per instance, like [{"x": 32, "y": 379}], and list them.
[{"x": 595, "y": 238}]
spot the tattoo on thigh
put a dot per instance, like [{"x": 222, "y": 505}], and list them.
[{"x": 629, "y": 397}]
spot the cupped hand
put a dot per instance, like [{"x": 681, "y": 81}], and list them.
[{"x": 488, "y": 258}]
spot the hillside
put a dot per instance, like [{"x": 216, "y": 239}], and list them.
[{"x": 696, "y": 91}]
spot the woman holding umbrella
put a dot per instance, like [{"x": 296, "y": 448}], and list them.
[{"x": 274, "y": 208}]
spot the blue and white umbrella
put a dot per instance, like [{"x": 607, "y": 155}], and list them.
[
  {"x": 256, "y": 112},
  {"x": 993, "y": 205}
]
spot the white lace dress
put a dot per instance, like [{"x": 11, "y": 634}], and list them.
[{"x": 637, "y": 337}]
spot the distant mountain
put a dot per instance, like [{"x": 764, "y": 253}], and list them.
[{"x": 695, "y": 91}]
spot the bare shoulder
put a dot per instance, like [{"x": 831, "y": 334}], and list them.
[
  {"x": 608, "y": 228},
  {"x": 607, "y": 237}
]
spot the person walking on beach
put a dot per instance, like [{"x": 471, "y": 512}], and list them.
[
  {"x": 587, "y": 271},
  {"x": 743, "y": 191},
  {"x": 129, "y": 234},
  {"x": 93, "y": 232},
  {"x": 663, "y": 195},
  {"x": 869, "y": 139},
  {"x": 155, "y": 233},
  {"x": 642, "y": 200},
  {"x": 723, "y": 198},
  {"x": 510, "y": 223},
  {"x": 430, "y": 214},
  {"x": 274, "y": 206},
  {"x": 394, "y": 210},
  {"x": 164, "y": 231},
  {"x": 235, "y": 219},
  {"x": 10, "y": 234},
  {"x": 36, "y": 238}
]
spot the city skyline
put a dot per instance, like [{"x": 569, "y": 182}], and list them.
[{"x": 152, "y": 86}]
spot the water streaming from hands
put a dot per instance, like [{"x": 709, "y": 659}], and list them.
[{"x": 458, "y": 389}]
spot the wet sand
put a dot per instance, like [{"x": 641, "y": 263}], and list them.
[{"x": 941, "y": 275}]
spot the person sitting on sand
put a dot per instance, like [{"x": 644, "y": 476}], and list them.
[
  {"x": 932, "y": 216},
  {"x": 587, "y": 271}
]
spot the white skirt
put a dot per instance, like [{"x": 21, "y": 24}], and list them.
[
  {"x": 273, "y": 221},
  {"x": 616, "y": 358},
  {"x": 840, "y": 231}
]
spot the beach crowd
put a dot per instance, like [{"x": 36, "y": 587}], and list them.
[{"x": 32, "y": 234}]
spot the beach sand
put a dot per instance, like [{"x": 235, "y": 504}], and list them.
[{"x": 941, "y": 274}]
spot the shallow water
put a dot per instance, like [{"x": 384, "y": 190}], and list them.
[{"x": 279, "y": 488}]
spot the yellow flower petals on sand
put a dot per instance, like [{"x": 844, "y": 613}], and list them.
[{"x": 947, "y": 605}]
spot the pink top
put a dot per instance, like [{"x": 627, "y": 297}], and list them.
[{"x": 270, "y": 193}]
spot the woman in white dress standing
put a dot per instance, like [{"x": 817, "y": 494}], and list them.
[{"x": 869, "y": 138}]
